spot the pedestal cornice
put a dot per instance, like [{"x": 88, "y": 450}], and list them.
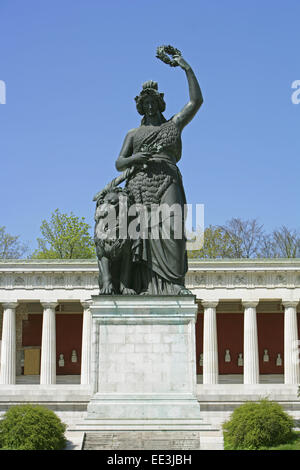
[{"x": 143, "y": 308}]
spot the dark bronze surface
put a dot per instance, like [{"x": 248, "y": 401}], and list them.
[{"x": 151, "y": 265}]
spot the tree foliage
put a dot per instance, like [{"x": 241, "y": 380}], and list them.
[
  {"x": 247, "y": 239},
  {"x": 217, "y": 244},
  {"x": 10, "y": 246},
  {"x": 287, "y": 242},
  {"x": 68, "y": 236},
  {"x": 65, "y": 237}
]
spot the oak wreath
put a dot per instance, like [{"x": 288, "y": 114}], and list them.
[{"x": 163, "y": 53}]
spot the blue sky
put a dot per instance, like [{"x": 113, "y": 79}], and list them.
[{"x": 72, "y": 70}]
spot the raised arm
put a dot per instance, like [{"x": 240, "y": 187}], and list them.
[{"x": 182, "y": 118}]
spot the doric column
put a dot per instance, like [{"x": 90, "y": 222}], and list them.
[
  {"x": 251, "y": 361},
  {"x": 291, "y": 350},
  {"x": 8, "y": 348},
  {"x": 86, "y": 344},
  {"x": 48, "y": 355},
  {"x": 210, "y": 344}
]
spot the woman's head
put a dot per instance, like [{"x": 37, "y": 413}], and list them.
[{"x": 150, "y": 101}]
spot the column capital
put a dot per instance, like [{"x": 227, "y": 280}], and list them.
[
  {"x": 9, "y": 304},
  {"x": 50, "y": 304},
  {"x": 290, "y": 303},
  {"x": 250, "y": 303},
  {"x": 86, "y": 304},
  {"x": 209, "y": 303}
]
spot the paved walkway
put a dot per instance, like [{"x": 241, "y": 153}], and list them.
[{"x": 74, "y": 440}]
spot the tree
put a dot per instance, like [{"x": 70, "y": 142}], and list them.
[
  {"x": 217, "y": 244},
  {"x": 65, "y": 237},
  {"x": 268, "y": 247},
  {"x": 287, "y": 242},
  {"x": 245, "y": 237},
  {"x": 10, "y": 246}
]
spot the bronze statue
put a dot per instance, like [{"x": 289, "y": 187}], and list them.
[{"x": 156, "y": 264}]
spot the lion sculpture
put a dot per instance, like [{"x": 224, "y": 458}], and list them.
[{"x": 113, "y": 250}]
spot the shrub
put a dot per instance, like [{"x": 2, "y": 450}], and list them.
[
  {"x": 27, "y": 427},
  {"x": 255, "y": 425}
]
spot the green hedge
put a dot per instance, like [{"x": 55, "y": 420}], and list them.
[
  {"x": 256, "y": 425},
  {"x": 27, "y": 427}
]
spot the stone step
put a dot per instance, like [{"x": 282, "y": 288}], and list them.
[
  {"x": 154, "y": 440},
  {"x": 140, "y": 425}
]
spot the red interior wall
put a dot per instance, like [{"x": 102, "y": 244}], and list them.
[
  {"x": 270, "y": 337},
  {"x": 230, "y": 329},
  {"x": 68, "y": 337},
  {"x": 230, "y": 333},
  {"x": 199, "y": 341},
  {"x": 32, "y": 330}
]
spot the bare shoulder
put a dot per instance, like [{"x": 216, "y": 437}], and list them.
[
  {"x": 177, "y": 120},
  {"x": 128, "y": 140},
  {"x": 131, "y": 132}
]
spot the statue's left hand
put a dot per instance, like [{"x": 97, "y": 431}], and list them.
[{"x": 181, "y": 61}]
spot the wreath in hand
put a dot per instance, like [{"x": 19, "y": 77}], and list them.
[{"x": 163, "y": 53}]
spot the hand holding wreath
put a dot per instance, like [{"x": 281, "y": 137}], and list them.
[
  {"x": 163, "y": 53},
  {"x": 181, "y": 61}
]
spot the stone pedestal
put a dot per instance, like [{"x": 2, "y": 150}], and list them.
[
  {"x": 143, "y": 364},
  {"x": 86, "y": 344}
]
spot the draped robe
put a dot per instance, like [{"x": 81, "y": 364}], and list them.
[{"x": 160, "y": 258}]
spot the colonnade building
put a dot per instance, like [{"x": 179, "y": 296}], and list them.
[{"x": 247, "y": 333}]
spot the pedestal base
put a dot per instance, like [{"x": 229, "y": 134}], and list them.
[
  {"x": 139, "y": 412},
  {"x": 144, "y": 364}
]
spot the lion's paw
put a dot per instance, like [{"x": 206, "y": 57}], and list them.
[{"x": 107, "y": 289}]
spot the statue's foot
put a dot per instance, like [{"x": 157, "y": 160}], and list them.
[
  {"x": 145, "y": 292},
  {"x": 126, "y": 291}
]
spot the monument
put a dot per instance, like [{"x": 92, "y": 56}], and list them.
[{"x": 143, "y": 345}]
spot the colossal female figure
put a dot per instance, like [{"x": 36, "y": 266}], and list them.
[{"x": 152, "y": 151}]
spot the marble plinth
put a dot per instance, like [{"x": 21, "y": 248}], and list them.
[{"x": 143, "y": 363}]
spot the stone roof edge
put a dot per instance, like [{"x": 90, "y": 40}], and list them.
[
  {"x": 48, "y": 261},
  {"x": 193, "y": 264},
  {"x": 291, "y": 263}
]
